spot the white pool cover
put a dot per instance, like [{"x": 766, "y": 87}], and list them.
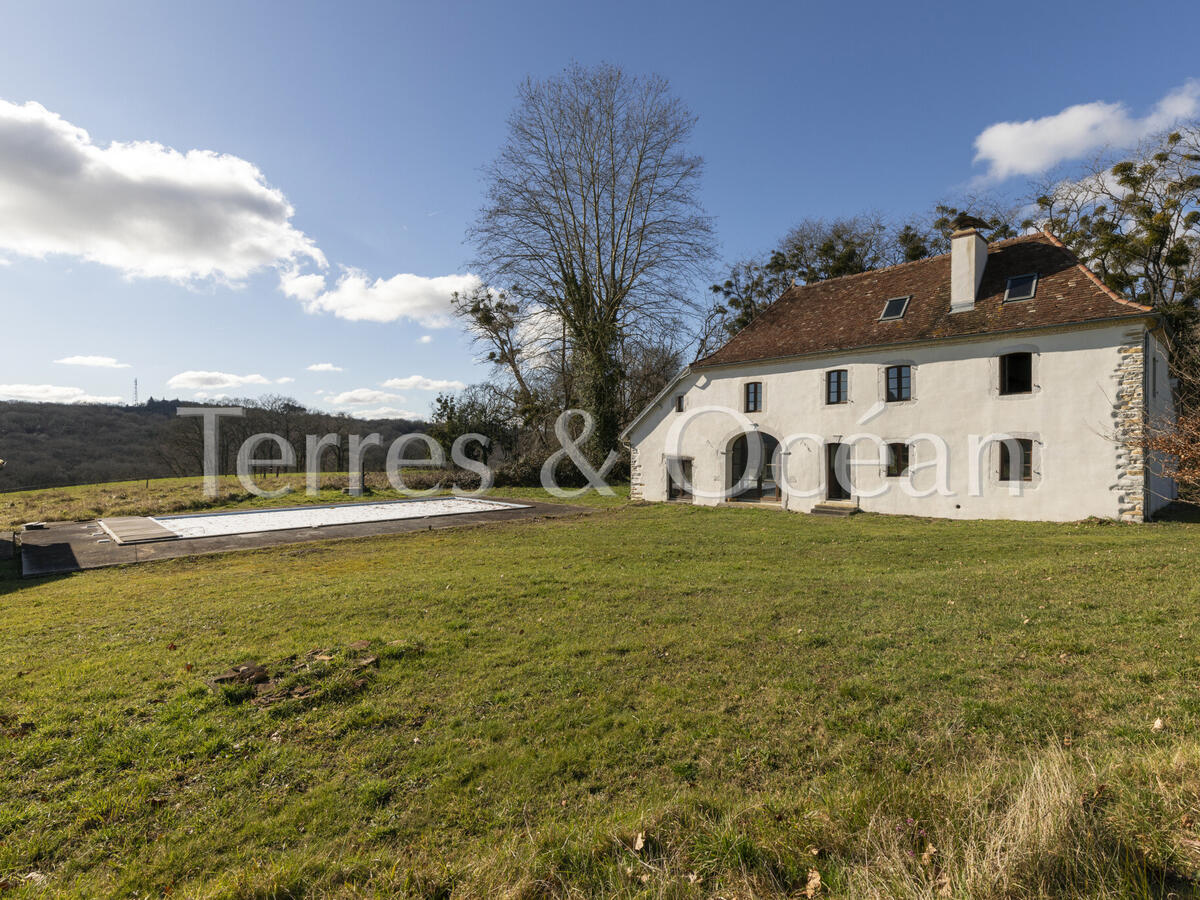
[{"x": 214, "y": 524}]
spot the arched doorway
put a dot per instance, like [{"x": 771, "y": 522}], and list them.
[{"x": 762, "y": 483}]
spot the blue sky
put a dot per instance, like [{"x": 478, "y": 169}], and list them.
[{"x": 371, "y": 121}]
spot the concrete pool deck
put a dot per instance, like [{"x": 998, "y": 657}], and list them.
[
  {"x": 311, "y": 515},
  {"x": 64, "y": 547}
]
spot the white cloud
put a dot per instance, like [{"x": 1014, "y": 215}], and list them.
[
  {"x": 201, "y": 381},
  {"x": 539, "y": 335},
  {"x": 324, "y": 367},
  {"x": 361, "y": 396},
  {"x": 140, "y": 207},
  {"x": 385, "y": 412},
  {"x": 205, "y": 395},
  {"x": 51, "y": 393},
  {"x": 421, "y": 383},
  {"x": 302, "y": 287},
  {"x": 151, "y": 211},
  {"x": 286, "y": 379},
  {"x": 97, "y": 362},
  {"x": 1037, "y": 145},
  {"x": 357, "y": 298},
  {"x": 426, "y": 339}
]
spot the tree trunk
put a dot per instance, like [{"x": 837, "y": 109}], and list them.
[{"x": 599, "y": 381}]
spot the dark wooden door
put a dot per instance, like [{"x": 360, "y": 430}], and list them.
[{"x": 837, "y": 472}]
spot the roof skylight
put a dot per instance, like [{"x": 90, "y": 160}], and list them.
[
  {"x": 1021, "y": 287},
  {"x": 894, "y": 308}
]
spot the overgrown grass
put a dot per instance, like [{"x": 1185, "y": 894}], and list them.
[{"x": 651, "y": 701}]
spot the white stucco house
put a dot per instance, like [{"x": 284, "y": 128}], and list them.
[{"x": 996, "y": 381}]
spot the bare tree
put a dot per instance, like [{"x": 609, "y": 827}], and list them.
[
  {"x": 1175, "y": 440},
  {"x": 592, "y": 214},
  {"x": 650, "y": 366},
  {"x": 819, "y": 249},
  {"x": 751, "y": 287},
  {"x": 507, "y": 329},
  {"x": 1135, "y": 221}
]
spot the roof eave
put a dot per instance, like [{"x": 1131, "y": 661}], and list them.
[
  {"x": 796, "y": 290},
  {"x": 958, "y": 338}
]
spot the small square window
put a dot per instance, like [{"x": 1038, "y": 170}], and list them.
[
  {"x": 679, "y": 403},
  {"x": 835, "y": 386},
  {"x": 897, "y": 460},
  {"x": 1018, "y": 465},
  {"x": 894, "y": 309},
  {"x": 754, "y": 396},
  {"x": 899, "y": 383},
  {"x": 1021, "y": 287},
  {"x": 1016, "y": 373}
]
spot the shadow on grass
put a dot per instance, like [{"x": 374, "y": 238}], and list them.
[
  {"x": 1179, "y": 511},
  {"x": 10, "y": 566}
]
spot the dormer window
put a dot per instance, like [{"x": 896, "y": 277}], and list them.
[
  {"x": 894, "y": 309},
  {"x": 1021, "y": 287}
]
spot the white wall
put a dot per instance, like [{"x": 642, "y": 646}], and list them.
[{"x": 955, "y": 394}]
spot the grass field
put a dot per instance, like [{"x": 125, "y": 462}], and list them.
[
  {"x": 650, "y": 701},
  {"x": 176, "y": 495}
]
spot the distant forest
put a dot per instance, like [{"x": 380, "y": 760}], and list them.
[{"x": 56, "y": 444}]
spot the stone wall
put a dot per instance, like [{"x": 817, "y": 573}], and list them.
[
  {"x": 1129, "y": 415},
  {"x": 636, "y": 484}
]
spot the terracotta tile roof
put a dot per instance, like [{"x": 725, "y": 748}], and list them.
[{"x": 843, "y": 313}]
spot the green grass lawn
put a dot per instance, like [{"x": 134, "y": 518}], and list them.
[
  {"x": 649, "y": 701},
  {"x": 174, "y": 495}
]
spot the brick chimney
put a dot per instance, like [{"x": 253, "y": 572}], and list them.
[{"x": 968, "y": 257}]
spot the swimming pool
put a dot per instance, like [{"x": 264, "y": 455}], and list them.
[{"x": 284, "y": 519}]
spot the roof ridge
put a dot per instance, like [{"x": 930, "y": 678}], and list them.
[
  {"x": 924, "y": 259},
  {"x": 1082, "y": 300}
]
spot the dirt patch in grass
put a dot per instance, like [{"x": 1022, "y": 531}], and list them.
[{"x": 318, "y": 676}]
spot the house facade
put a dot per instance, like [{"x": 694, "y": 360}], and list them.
[{"x": 1001, "y": 381}]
